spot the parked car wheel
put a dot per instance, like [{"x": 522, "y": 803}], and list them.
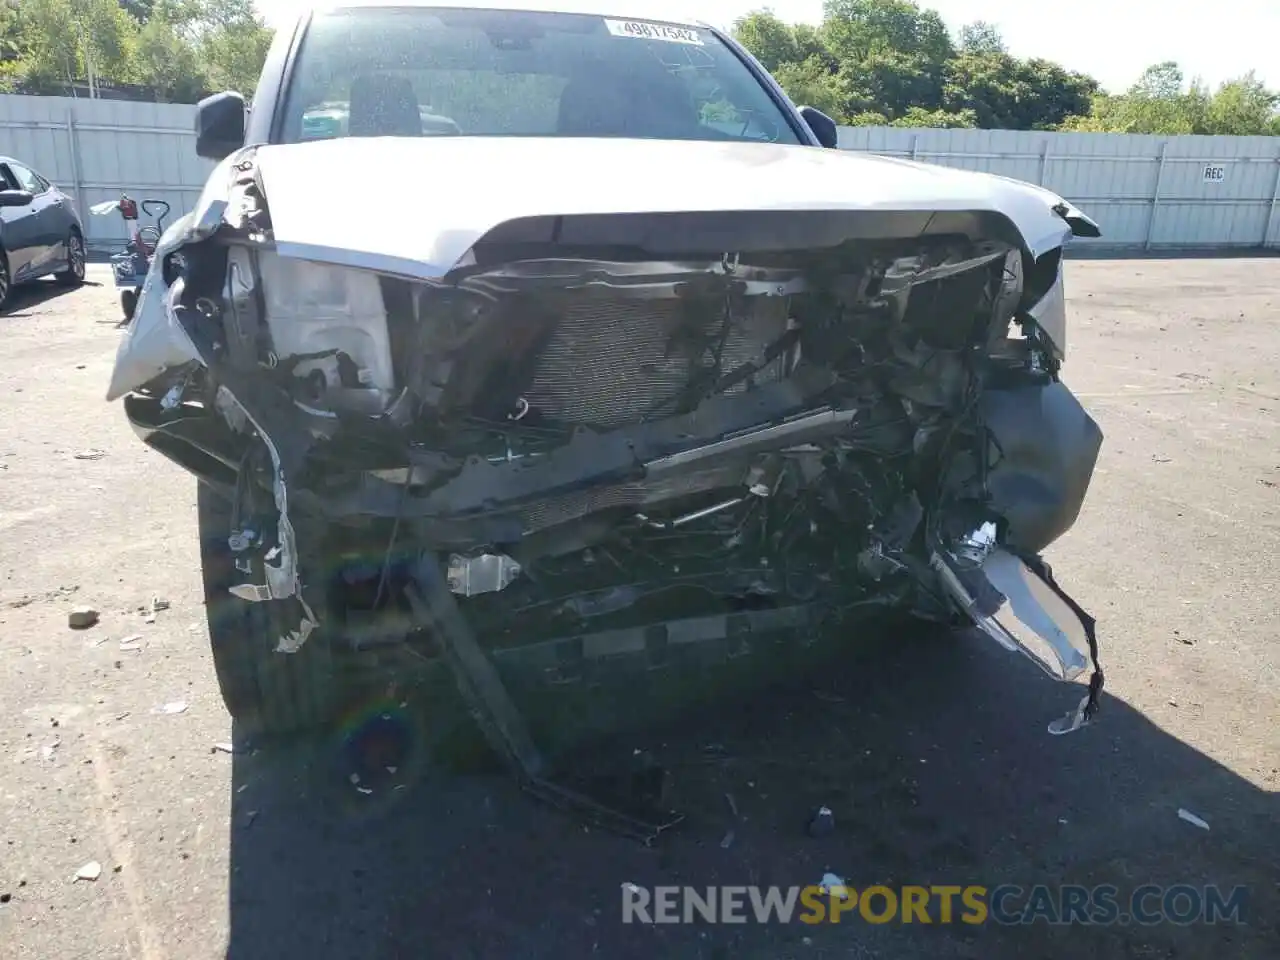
[
  {"x": 73, "y": 276},
  {"x": 266, "y": 692},
  {"x": 5, "y": 283},
  {"x": 128, "y": 303}
]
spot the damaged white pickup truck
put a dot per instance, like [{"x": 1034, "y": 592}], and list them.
[{"x": 621, "y": 365}]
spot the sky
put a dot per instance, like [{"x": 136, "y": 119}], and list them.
[{"x": 1111, "y": 40}]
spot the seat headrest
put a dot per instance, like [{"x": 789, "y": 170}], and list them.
[
  {"x": 382, "y": 105},
  {"x": 647, "y": 104}
]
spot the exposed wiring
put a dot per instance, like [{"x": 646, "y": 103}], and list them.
[{"x": 391, "y": 543}]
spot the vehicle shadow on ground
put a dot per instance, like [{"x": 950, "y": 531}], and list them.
[
  {"x": 27, "y": 296},
  {"x": 931, "y": 751}
]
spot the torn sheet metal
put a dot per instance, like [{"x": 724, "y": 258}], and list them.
[
  {"x": 154, "y": 341},
  {"x": 281, "y": 576},
  {"x": 1018, "y": 604},
  {"x": 280, "y": 565},
  {"x": 1020, "y": 612},
  {"x": 1034, "y": 618}
]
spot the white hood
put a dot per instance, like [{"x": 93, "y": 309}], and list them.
[{"x": 415, "y": 206}]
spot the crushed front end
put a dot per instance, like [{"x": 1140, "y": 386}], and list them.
[{"x": 607, "y": 438}]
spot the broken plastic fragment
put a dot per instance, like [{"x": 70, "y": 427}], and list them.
[
  {"x": 979, "y": 544},
  {"x": 90, "y": 871},
  {"x": 1072, "y": 721},
  {"x": 1028, "y": 615},
  {"x": 486, "y": 573},
  {"x": 834, "y": 886},
  {"x": 176, "y": 706},
  {"x": 1191, "y": 818},
  {"x": 291, "y": 641}
]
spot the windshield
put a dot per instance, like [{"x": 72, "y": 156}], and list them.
[{"x": 387, "y": 71}]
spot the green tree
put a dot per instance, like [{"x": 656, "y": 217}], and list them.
[
  {"x": 1006, "y": 93},
  {"x": 140, "y": 10},
  {"x": 893, "y": 61},
  {"x": 64, "y": 40},
  {"x": 893, "y": 82},
  {"x": 919, "y": 117},
  {"x": 1162, "y": 102},
  {"x": 813, "y": 84},
  {"x": 169, "y": 63},
  {"x": 893, "y": 52},
  {"x": 1157, "y": 103},
  {"x": 1243, "y": 106},
  {"x": 809, "y": 43},
  {"x": 981, "y": 37},
  {"x": 234, "y": 53},
  {"x": 853, "y": 29},
  {"x": 769, "y": 39}
]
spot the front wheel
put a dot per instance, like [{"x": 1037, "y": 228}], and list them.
[
  {"x": 5, "y": 282},
  {"x": 73, "y": 276},
  {"x": 266, "y": 692}
]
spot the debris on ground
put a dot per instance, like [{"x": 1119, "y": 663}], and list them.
[
  {"x": 131, "y": 642},
  {"x": 82, "y": 618},
  {"x": 90, "y": 871},
  {"x": 822, "y": 823},
  {"x": 733, "y": 805},
  {"x": 224, "y": 747},
  {"x": 150, "y": 610},
  {"x": 90, "y": 455},
  {"x": 1191, "y": 818},
  {"x": 834, "y": 886},
  {"x": 48, "y": 750},
  {"x": 176, "y": 706}
]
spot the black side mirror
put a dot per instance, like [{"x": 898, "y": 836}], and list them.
[
  {"x": 823, "y": 127},
  {"x": 15, "y": 198},
  {"x": 220, "y": 125}
]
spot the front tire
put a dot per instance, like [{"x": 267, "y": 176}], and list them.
[
  {"x": 73, "y": 276},
  {"x": 6, "y": 281},
  {"x": 265, "y": 692}
]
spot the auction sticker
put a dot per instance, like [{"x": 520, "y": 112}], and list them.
[{"x": 653, "y": 31}]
